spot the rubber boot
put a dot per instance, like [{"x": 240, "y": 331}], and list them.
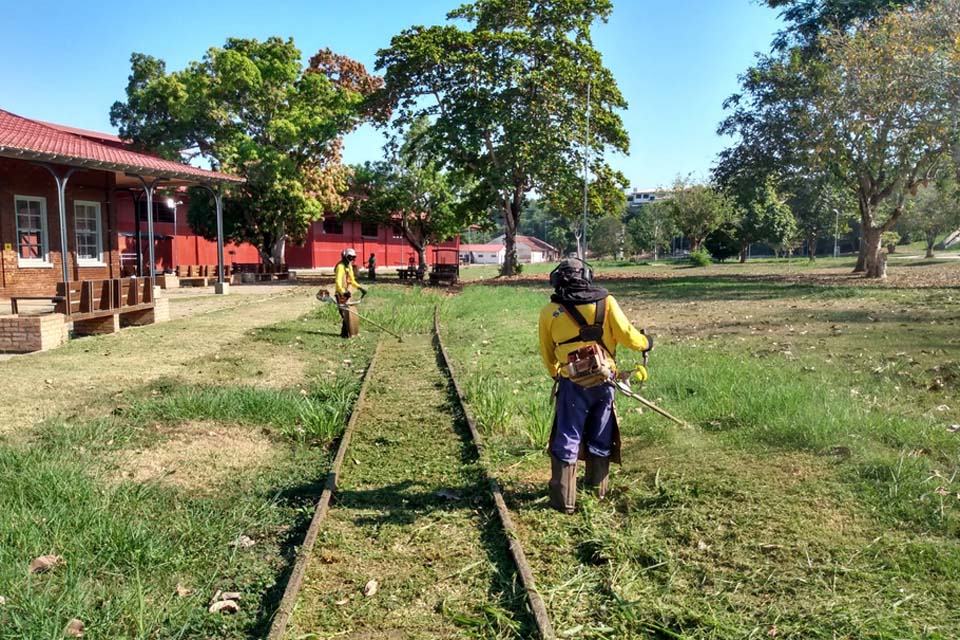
[
  {"x": 595, "y": 477},
  {"x": 563, "y": 485}
]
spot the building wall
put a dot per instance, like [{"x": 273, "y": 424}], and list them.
[
  {"x": 322, "y": 250},
  {"x": 190, "y": 249},
  {"x": 21, "y": 178}
]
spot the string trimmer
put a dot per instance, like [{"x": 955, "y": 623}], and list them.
[
  {"x": 324, "y": 296},
  {"x": 622, "y": 384}
]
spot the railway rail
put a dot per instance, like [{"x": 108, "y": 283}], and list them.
[{"x": 370, "y": 511}]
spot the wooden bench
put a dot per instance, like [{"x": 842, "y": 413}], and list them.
[
  {"x": 88, "y": 299},
  {"x": 15, "y": 301}
]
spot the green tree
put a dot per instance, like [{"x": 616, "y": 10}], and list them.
[
  {"x": 250, "y": 108},
  {"x": 609, "y": 236},
  {"x": 697, "y": 209},
  {"x": 778, "y": 117},
  {"x": 652, "y": 228},
  {"x": 934, "y": 211},
  {"x": 820, "y": 206},
  {"x": 887, "y": 111},
  {"x": 411, "y": 193},
  {"x": 506, "y": 90},
  {"x": 763, "y": 217}
]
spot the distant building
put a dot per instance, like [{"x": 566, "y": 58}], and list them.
[
  {"x": 530, "y": 249},
  {"x": 637, "y": 198},
  {"x": 491, "y": 253}
]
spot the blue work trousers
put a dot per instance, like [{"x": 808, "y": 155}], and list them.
[{"x": 582, "y": 414}]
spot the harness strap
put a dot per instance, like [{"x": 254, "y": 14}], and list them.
[{"x": 597, "y": 326}]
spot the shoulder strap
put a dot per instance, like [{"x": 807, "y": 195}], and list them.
[
  {"x": 575, "y": 314},
  {"x": 597, "y": 324}
]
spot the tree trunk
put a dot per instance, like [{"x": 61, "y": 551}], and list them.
[
  {"x": 695, "y": 244},
  {"x": 862, "y": 251},
  {"x": 511, "y": 217},
  {"x": 812, "y": 247},
  {"x": 875, "y": 258},
  {"x": 422, "y": 256},
  {"x": 278, "y": 250},
  {"x": 931, "y": 240},
  {"x": 744, "y": 249}
]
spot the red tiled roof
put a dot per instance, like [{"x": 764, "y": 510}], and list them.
[
  {"x": 24, "y": 138},
  {"x": 535, "y": 243},
  {"x": 86, "y": 133}
]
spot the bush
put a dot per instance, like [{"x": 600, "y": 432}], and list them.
[{"x": 699, "y": 258}]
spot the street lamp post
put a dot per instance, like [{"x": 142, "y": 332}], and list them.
[
  {"x": 172, "y": 204},
  {"x": 836, "y": 235}
]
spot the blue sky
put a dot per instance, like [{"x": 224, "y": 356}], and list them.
[{"x": 675, "y": 60}]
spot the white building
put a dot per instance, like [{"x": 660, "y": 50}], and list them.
[
  {"x": 530, "y": 249},
  {"x": 636, "y": 198},
  {"x": 491, "y": 253}
]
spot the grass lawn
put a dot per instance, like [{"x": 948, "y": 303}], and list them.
[
  {"x": 818, "y": 495},
  {"x": 144, "y": 474}
]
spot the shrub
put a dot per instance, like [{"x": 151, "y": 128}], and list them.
[{"x": 699, "y": 258}]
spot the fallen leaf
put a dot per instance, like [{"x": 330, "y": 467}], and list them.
[
  {"x": 230, "y": 595},
  {"x": 45, "y": 563},
  {"x": 342, "y": 602},
  {"x": 943, "y": 407},
  {"x": 224, "y": 606},
  {"x": 954, "y": 428},
  {"x": 772, "y": 632},
  {"x": 182, "y": 591},
  {"x": 370, "y": 589},
  {"x": 3, "y": 601},
  {"x": 74, "y": 629}
]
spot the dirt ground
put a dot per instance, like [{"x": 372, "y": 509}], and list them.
[
  {"x": 203, "y": 327},
  {"x": 199, "y": 456}
]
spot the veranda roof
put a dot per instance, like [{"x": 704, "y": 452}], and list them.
[{"x": 28, "y": 139}]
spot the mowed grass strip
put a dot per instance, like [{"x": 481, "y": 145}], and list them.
[
  {"x": 412, "y": 513},
  {"x": 817, "y": 497},
  {"x": 148, "y": 502}
]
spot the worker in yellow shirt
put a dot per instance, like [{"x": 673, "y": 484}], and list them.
[
  {"x": 345, "y": 279},
  {"x": 580, "y": 330}
]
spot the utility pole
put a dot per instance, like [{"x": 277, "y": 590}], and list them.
[
  {"x": 836, "y": 235},
  {"x": 586, "y": 162}
]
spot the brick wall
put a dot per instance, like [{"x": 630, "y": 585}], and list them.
[
  {"x": 21, "y": 178},
  {"x": 22, "y": 334}
]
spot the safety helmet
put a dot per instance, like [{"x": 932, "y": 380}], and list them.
[
  {"x": 570, "y": 269},
  {"x": 348, "y": 254}
]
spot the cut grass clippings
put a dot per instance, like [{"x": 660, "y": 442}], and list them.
[{"x": 412, "y": 513}]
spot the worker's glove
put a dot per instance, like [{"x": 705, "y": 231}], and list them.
[
  {"x": 320, "y": 296},
  {"x": 649, "y": 338},
  {"x": 640, "y": 375}
]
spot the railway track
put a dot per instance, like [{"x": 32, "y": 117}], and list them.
[{"x": 411, "y": 537}]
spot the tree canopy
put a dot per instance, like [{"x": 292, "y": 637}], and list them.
[
  {"x": 411, "y": 193},
  {"x": 250, "y": 108},
  {"x": 505, "y": 88}
]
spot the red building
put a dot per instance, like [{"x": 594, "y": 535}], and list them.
[
  {"x": 65, "y": 191},
  {"x": 327, "y": 238}
]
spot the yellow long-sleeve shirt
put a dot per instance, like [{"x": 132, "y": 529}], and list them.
[
  {"x": 343, "y": 274},
  {"x": 557, "y": 326}
]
